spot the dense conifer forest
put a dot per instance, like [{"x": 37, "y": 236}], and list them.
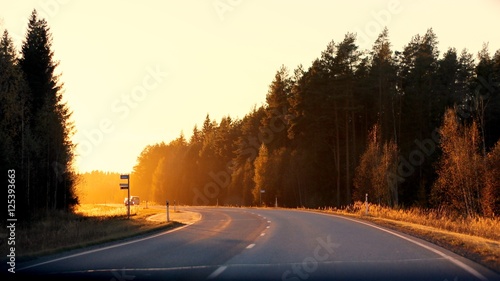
[
  {"x": 408, "y": 127},
  {"x": 36, "y": 150}
]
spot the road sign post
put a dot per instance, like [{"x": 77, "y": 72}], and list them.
[{"x": 127, "y": 187}]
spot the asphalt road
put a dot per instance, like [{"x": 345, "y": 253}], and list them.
[{"x": 262, "y": 244}]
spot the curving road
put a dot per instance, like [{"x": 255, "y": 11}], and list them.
[{"x": 262, "y": 244}]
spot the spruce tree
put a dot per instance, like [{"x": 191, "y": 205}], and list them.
[
  {"x": 12, "y": 105},
  {"x": 16, "y": 140},
  {"x": 52, "y": 178}
]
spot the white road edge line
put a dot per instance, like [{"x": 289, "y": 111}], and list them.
[
  {"x": 105, "y": 248},
  {"x": 451, "y": 259},
  {"x": 217, "y": 272}
]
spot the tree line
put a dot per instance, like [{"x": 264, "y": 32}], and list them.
[
  {"x": 355, "y": 122},
  {"x": 35, "y": 125},
  {"x": 409, "y": 127},
  {"x": 99, "y": 187}
]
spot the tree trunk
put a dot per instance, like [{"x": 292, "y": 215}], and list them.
[
  {"x": 337, "y": 155},
  {"x": 347, "y": 155}
]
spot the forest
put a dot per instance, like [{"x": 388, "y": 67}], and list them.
[
  {"x": 36, "y": 150},
  {"x": 408, "y": 127}
]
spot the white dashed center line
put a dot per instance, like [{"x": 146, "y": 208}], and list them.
[{"x": 217, "y": 272}]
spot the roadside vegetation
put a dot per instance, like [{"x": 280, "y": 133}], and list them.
[
  {"x": 90, "y": 224},
  {"x": 477, "y": 238},
  {"x": 410, "y": 127}
]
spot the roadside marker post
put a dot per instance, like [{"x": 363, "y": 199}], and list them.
[
  {"x": 168, "y": 213},
  {"x": 366, "y": 204},
  {"x": 260, "y": 196},
  {"x": 127, "y": 187}
]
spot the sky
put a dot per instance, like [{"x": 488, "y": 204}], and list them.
[{"x": 137, "y": 73}]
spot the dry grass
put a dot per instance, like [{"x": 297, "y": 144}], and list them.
[
  {"x": 90, "y": 224},
  {"x": 476, "y": 238},
  {"x": 477, "y": 226},
  {"x": 103, "y": 210}
]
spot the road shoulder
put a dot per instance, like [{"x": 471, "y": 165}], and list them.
[
  {"x": 180, "y": 216},
  {"x": 480, "y": 250}
]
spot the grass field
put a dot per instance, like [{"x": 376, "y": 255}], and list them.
[
  {"x": 90, "y": 224},
  {"x": 476, "y": 238}
]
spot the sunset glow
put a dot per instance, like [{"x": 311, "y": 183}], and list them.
[{"x": 140, "y": 72}]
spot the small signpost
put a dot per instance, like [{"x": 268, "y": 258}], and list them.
[{"x": 127, "y": 187}]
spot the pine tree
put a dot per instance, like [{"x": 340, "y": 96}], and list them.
[
  {"x": 421, "y": 107},
  {"x": 382, "y": 80},
  {"x": 484, "y": 100},
  {"x": 261, "y": 174},
  {"x": 147, "y": 163},
  {"x": 13, "y": 106},
  {"x": 274, "y": 124},
  {"x": 246, "y": 150},
  {"x": 158, "y": 182},
  {"x": 459, "y": 93}
]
